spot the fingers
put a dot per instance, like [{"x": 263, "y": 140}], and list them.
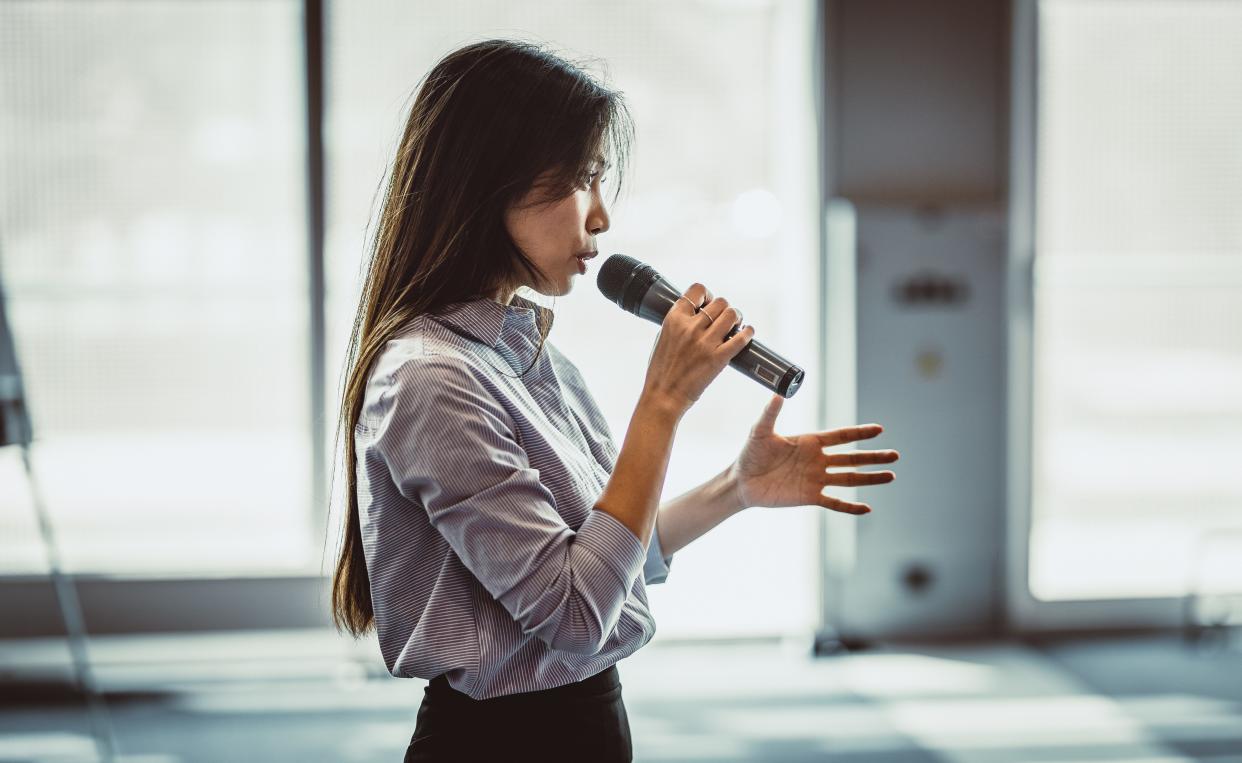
[
  {"x": 848, "y": 434},
  {"x": 860, "y": 479},
  {"x": 699, "y": 299},
  {"x": 696, "y": 297},
  {"x": 686, "y": 305},
  {"x": 855, "y": 458},
  {"x": 722, "y": 321},
  {"x": 717, "y": 307},
  {"x": 767, "y": 420},
  {"x": 734, "y": 344},
  {"x": 717, "y": 317},
  {"x": 845, "y": 507},
  {"x": 862, "y": 458}
]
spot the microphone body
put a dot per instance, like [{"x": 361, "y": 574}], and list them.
[{"x": 637, "y": 288}]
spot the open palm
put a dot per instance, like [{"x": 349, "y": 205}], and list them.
[{"x": 775, "y": 470}]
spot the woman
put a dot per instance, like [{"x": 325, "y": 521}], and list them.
[{"x": 495, "y": 537}]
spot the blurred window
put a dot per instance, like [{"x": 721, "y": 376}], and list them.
[
  {"x": 152, "y": 238},
  {"x": 1138, "y": 294}
]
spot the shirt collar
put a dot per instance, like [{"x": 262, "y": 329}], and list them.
[{"x": 511, "y": 329}]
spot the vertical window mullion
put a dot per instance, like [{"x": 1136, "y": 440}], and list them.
[{"x": 312, "y": 11}]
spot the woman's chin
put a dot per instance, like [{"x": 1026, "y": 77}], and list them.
[{"x": 559, "y": 290}]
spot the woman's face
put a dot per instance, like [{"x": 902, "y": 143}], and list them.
[{"x": 553, "y": 234}]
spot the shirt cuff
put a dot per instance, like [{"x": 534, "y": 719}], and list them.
[
  {"x": 655, "y": 569},
  {"x": 613, "y": 544}
]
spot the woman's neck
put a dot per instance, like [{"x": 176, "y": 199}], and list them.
[{"x": 504, "y": 295}]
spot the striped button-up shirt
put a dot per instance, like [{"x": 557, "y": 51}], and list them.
[{"x": 476, "y": 489}]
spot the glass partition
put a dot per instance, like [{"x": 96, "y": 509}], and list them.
[
  {"x": 1138, "y": 295},
  {"x": 152, "y": 239}
]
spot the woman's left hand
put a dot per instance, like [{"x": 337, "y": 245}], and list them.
[{"x": 774, "y": 470}]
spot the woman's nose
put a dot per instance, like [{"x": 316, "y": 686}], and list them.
[{"x": 597, "y": 223}]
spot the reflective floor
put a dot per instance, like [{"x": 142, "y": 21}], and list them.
[{"x": 300, "y": 697}]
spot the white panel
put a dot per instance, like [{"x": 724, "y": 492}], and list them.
[{"x": 930, "y": 360}]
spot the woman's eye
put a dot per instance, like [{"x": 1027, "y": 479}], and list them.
[{"x": 587, "y": 178}]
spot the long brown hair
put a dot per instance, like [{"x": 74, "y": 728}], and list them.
[{"x": 487, "y": 121}]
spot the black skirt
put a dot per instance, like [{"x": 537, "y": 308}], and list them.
[{"x": 583, "y": 721}]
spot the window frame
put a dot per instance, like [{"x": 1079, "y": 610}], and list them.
[
  {"x": 126, "y": 603},
  {"x": 1027, "y": 614}
]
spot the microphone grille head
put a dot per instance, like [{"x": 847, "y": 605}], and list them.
[{"x": 613, "y": 275}]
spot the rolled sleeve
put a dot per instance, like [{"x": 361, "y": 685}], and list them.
[
  {"x": 656, "y": 566},
  {"x": 613, "y": 544},
  {"x": 450, "y": 448}
]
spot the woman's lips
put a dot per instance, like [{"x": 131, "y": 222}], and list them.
[{"x": 582, "y": 258}]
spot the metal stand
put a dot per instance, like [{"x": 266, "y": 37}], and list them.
[
  {"x": 16, "y": 429},
  {"x": 75, "y": 627}
]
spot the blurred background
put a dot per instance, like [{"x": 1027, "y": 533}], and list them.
[{"x": 1010, "y": 231}]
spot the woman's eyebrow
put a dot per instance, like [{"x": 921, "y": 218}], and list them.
[{"x": 601, "y": 160}]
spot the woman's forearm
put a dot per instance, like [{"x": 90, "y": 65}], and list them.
[
  {"x": 692, "y": 514},
  {"x": 632, "y": 494}
]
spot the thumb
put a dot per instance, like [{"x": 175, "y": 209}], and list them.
[{"x": 767, "y": 420}]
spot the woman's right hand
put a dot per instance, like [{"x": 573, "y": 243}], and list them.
[{"x": 691, "y": 349}]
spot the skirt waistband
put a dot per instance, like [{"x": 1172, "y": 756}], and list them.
[{"x": 599, "y": 683}]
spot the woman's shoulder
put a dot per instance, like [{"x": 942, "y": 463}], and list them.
[
  {"x": 416, "y": 378},
  {"x": 424, "y": 351}
]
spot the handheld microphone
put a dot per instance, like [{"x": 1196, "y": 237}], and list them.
[{"x": 637, "y": 288}]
